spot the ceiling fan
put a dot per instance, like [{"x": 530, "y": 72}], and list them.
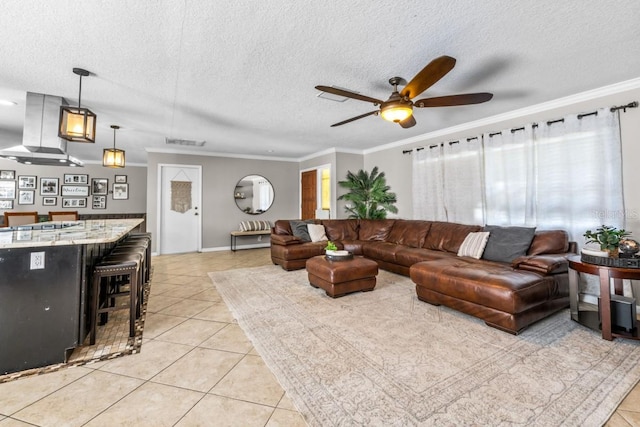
[{"x": 399, "y": 107}]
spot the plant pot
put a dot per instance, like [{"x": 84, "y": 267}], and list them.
[{"x": 613, "y": 253}]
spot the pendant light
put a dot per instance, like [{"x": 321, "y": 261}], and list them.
[
  {"x": 113, "y": 157},
  {"x": 77, "y": 124}
]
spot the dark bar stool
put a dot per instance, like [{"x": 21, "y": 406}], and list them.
[
  {"x": 143, "y": 238},
  {"x": 132, "y": 252},
  {"x": 104, "y": 290}
]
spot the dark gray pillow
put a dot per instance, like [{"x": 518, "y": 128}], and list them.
[
  {"x": 507, "y": 243},
  {"x": 299, "y": 229}
]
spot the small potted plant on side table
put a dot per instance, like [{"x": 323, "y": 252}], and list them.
[{"x": 608, "y": 238}]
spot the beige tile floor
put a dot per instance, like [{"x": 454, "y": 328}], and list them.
[{"x": 196, "y": 367}]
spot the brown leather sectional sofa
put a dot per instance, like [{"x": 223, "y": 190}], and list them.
[{"x": 507, "y": 296}]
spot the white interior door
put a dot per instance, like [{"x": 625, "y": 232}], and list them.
[{"x": 179, "y": 206}]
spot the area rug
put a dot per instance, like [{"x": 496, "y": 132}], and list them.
[{"x": 384, "y": 358}]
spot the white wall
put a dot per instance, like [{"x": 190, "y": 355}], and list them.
[{"x": 220, "y": 215}]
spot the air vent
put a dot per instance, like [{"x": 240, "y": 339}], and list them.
[
  {"x": 188, "y": 142},
  {"x": 336, "y": 98}
]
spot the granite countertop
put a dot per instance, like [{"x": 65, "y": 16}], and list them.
[{"x": 57, "y": 233}]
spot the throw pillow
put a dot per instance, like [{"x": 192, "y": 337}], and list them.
[
  {"x": 316, "y": 232},
  {"x": 473, "y": 245},
  {"x": 507, "y": 243},
  {"x": 299, "y": 229},
  {"x": 255, "y": 225}
]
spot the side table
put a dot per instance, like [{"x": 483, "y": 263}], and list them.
[{"x": 605, "y": 274}]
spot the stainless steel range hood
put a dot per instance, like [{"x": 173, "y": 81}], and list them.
[{"x": 40, "y": 142}]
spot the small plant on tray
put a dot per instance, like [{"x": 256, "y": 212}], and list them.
[{"x": 607, "y": 237}]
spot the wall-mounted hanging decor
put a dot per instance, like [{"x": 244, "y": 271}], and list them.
[
  {"x": 180, "y": 196},
  {"x": 49, "y": 186},
  {"x": 120, "y": 191}
]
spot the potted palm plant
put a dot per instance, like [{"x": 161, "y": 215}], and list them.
[{"x": 369, "y": 195}]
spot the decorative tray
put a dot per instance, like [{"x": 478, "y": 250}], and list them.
[
  {"x": 338, "y": 255},
  {"x": 633, "y": 262}
]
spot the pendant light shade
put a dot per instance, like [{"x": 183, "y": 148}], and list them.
[
  {"x": 77, "y": 124},
  {"x": 396, "y": 112},
  {"x": 113, "y": 157}
]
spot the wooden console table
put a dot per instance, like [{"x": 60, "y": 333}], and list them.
[{"x": 605, "y": 274}]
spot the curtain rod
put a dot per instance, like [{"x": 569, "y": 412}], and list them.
[{"x": 633, "y": 104}]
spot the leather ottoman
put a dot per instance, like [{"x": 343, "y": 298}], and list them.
[{"x": 339, "y": 278}]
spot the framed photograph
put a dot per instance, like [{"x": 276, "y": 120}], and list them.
[
  {"x": 27, "y": 182},
  {"x": 8, "y": 189},
  {"x": 75, "y": 190},
  {"x": 74, "y": 203},
  {"x": 49, "y": 201},
  {"x": 99, "y": 202},
  {"x": 49, "y": 186},
  {"x": 6, "y": 204},
  {"x": 120, "y": 191},
  {"x": 26, "y": 197},
  {"x": 4, "y": 174},
  {"x": 121, "y": 179},
  {"x": 76, "y": 179},
  {"x": 99, "y": 186}
]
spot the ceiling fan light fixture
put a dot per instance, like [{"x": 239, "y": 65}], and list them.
[
  {"x": 113, "y": 157},
  {"x": 396, "y": 112},
  {"x": 77, "y": 124}
]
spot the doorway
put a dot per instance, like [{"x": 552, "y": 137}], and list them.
[
  {"x": 315, "y": 193},
  {"x": 309, "y": 190},
  {"x": 179, "y": 202}
]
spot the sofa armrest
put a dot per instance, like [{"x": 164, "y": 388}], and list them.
[
  {"x": 284, "y": 240},
  {"x": 543, "y": 264}
]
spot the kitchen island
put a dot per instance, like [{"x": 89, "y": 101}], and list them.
[{"x": 45, "y": 273}]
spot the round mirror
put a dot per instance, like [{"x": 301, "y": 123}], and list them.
[{"x": 253, "y": 194}]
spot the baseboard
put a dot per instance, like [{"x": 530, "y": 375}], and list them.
[{"x": 239, "y": 247}]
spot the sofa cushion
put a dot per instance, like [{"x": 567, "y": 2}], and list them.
[
  {"x": 486, "y": 283},
  {"x": 474, "y": 244},
  {"x": 408, "y": 256},
  {"x": 299, "y": 229},
  {"x": 384, "y": 251},
  {"x": 374, "y": 229},
  {"x": 448, "y": 236},
  {"x": 507, "y": 243},
  {"x": 341, "y": 229},
  {"x": 282, "y": 227},
  {"x": 409, "y": 232},
  {"x": 316, "y": 232},
  {"x": 549, "y": 242}
]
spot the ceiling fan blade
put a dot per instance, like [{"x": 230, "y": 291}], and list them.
[
  {"x": 408, "y": 122},
  {"x": 354, "y": 118},
  {"x": 348, "y": 94},
  {"x": 434, "y": 71},
  {"x": 452, "y": 100}
]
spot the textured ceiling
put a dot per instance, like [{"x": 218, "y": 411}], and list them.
[{"x": 241, "y": 74}]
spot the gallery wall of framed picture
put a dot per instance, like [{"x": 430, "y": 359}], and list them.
[{"x": 72, "y": 191}]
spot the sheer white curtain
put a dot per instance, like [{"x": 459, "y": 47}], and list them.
[
  {"x": 579, "y": 173},
  {"x": 559, "y": 175},
  {"x": 463, "y": 181},
  {"x": 509, "y": 165},
  {"x": 427, "y": 185}
]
